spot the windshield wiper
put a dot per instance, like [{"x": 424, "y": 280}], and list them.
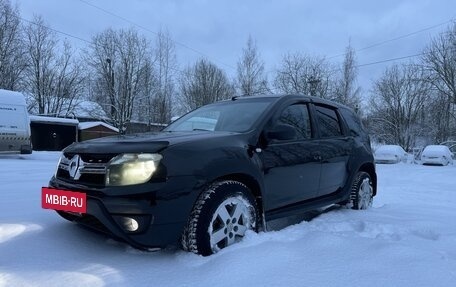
[{"x": 202, "y": 130}]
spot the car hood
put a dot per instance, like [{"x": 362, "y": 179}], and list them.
[{"x": 146, "y": 142}]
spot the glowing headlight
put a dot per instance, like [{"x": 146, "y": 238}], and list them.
[{"x": 129, "y": 168}]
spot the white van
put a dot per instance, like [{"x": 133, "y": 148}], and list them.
[{"x": 14, "y": 123}]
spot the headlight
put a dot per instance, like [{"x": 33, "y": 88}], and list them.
[{"x": 130, "y": 168}]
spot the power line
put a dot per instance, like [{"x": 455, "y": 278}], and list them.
[
  {"x": 151, "y": 31},
  {"x": 79, "y": 38},
  {"x": 390, "y": 60},
  {"x": 397, "y": 38},
  {"x": 449, "y": 49},
  {"x": 182, "y": 72},
  {"x": 56, "y": 31}
]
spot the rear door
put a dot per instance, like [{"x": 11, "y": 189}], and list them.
[{"x": 334, "y": 148}]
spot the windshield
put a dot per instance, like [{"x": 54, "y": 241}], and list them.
[{"x": 230, "y": 116}]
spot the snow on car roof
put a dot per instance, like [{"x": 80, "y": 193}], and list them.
[
  {"x": 436, "y": 148},
  {"x": 389, "y": 148}
]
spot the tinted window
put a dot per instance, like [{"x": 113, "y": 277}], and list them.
[
  {"x": 328, "y": 122},
  {"x": 353, "y": 121},
  {"x": 298, "y": 117}
]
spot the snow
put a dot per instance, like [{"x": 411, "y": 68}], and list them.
[
  {"x": 436, "y": 150},
  {"x": 80, "y": 109},
  {"x": 408, "y": 238},
  {"x": 390, "y": 148},
  {"x": 44, "y": 119},
  {"x": 88, "y": 125},
  {"x": 89, "y": 109},
  {"x": 390, "y": 153}
]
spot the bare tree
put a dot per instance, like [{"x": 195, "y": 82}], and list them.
[
  {"x": 204, "y": 83},
  {"x": 346, "y": 90},
  {"x": 163, "y": 88},
  {"x": 12, "y": 52},
  {"x": 144, "y": 111},
  {"x": 301, "y": 74},
  {"x": 398, "y": 103},
  {"x": 439, "y": 59},
  {"x": 53, "y": 78},
  {"x": 119, "y": 61},
  {"x": 251, "y": 79},
  {"x": 69, "y": 83}
]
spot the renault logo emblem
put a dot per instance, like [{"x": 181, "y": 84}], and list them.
[{"x": 74, "y": 167}]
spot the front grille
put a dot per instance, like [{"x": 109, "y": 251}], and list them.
[
  {"x": 87, "y": 169},
  {"x": 92, "y": 157}
]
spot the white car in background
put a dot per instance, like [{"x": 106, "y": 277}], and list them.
[
  {"x": 390, "y": 154},
  {"x": 436, "y": 154}
]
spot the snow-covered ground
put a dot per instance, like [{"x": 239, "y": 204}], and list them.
[{"x": 408, "y": 238}]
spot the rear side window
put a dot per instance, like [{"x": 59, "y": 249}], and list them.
[
  {"x": 328, "y": 122},
  {"x": 353, "y": 121}
]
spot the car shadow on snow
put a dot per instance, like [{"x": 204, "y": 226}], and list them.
[
  {"x": 281, "y": 223},
  {"x": 77, "y": 244},
  {"x": 85, "y": 236}
]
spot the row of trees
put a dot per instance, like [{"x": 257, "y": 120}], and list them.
[
  {"x": 414, "y": 103},
  {"x": 134, "y": 79}
]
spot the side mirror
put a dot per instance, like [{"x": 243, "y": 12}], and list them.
[{"x": 282, "y": 132}]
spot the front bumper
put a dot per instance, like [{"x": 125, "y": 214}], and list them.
[
  {"x": 162, "y": 210},
  {"x": 387, "y": 159},
  {"x": 433, "y": 161}
]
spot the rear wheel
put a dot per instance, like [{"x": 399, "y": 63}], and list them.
[
  {"x": 221, "y": 216},
  {"x": 362, "y": 192}
]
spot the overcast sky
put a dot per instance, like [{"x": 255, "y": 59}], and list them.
[{"x": 219, "y": 29}]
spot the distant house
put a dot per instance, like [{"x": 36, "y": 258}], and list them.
[
  {"x": 141, "y": 127},
  {"x": 51, "y": 133},
  {"x": 92, "y": 130},
  {"x": 82, "y": 121}
]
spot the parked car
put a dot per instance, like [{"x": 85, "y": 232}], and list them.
[
  {"x": 260, "y": 158},
  {"x": 14, "y": 123},
  {"x": 436, "y": 155},
  {"x": 390, "y": 154}
]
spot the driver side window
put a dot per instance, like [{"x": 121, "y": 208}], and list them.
[{"x": 297, "y": 116}]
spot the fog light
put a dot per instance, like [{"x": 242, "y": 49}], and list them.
[
  {"x": 130, "y": 224},
  {"x": 133, "y": 223}
]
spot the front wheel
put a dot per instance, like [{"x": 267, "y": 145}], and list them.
[
  {"x": 362, "y": 192},
  {"x": 221, "y": 216}
]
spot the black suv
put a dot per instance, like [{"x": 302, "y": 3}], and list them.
[{"x": 217, "y": 172}]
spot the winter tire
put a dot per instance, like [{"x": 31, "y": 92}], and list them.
[
  {"x": 220, "y": 217},
  {"x": 362, "y": 192}
]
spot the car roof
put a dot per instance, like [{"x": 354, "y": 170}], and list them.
[
  {"x": 290, "y": 96},
  {"x": 436, "y": 147}
]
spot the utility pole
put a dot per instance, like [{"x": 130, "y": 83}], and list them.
[
  {"x": 313, "y": 82},
  {"x": 111, "y": 88}
]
